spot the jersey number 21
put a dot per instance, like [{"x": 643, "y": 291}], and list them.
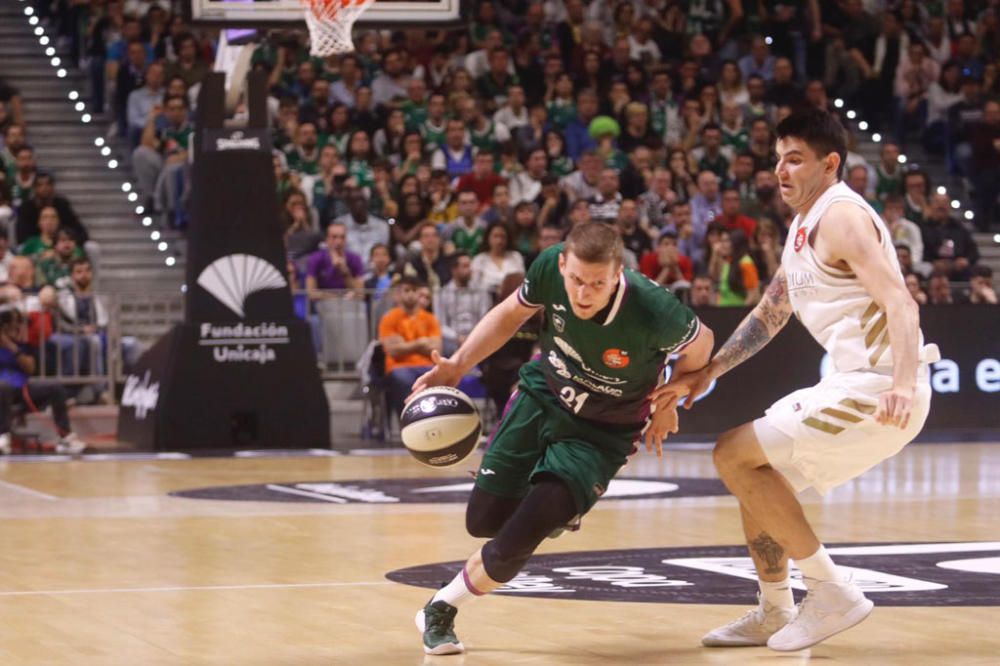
[{"x": 573, "y": 399}]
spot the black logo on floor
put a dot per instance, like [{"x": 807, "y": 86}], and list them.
[
  {"x": 421, "y": 491},
  {"x": 916, "y": 574}
]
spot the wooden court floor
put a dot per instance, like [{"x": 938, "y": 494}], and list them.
[{"x": 100, "y": 565}]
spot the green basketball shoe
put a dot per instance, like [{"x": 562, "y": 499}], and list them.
[{"x": 436, "y": 621}]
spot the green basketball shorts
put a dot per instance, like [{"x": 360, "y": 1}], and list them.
[{"x": 537, "y": 436}]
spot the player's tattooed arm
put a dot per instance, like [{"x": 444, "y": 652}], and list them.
[{"x": 756, "y": 330}]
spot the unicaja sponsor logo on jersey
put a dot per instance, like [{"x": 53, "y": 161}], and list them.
[{"x": 615, "y": 358}]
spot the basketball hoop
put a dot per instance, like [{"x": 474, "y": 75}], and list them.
[{"x": 330, "y": 23}]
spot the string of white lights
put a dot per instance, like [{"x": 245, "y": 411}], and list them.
[
  {"x": 862, "y": 125},
  {"x": 85, "y": 118}
]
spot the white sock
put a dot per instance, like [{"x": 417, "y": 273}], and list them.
[
  {"x": 819, "y": 566},
  {"x": 777, "y": 593},
  {"x": 458, "y": 591}
]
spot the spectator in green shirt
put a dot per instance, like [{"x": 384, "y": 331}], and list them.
[
  {"x": 465, "y": 233},
  {"x": 42, "y": 245},
  {"x": 303, "y": 154},
  {"x": 54, "y": 269},
  {"x": 414, "y": 107}
]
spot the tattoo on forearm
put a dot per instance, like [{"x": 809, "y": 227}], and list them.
[
  {"x": 777, "y": 308},
  {"x": 758, "y": 328},
  {"x": 747, "y": 340},
  {"x": 769, "y": 552}
]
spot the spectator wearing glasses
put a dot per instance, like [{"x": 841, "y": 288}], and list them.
[{"x": 160, "y": 159}]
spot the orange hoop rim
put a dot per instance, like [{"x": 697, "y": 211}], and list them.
[{"x": 327, "y": 9}]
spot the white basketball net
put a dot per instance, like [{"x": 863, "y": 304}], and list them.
[{"x": 330, "y": 23}]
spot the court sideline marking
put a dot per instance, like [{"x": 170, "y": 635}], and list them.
[
  {"x": 28, "y": 491},
  {"x": 192, "y": 588}
]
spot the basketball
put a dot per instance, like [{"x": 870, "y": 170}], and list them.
[{"x": 440, "y": 426}]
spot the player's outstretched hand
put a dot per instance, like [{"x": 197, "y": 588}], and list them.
[
  {"x": 662, "y": 422},
  {"x": 894, "y": 408},
  {"x": 690, "y": 386},
  {"x": 444, "y": 373}
]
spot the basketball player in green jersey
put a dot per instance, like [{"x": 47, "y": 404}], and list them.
[{"x": 578, "y": 410}]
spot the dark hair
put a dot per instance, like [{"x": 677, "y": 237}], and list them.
[
  {"x": 458, "y": 254},
  {"x": 79, "y": 261},
  {"x": 411, "y": 281},
  {"x": 821, "y": 131},
  {"x": 595, "y": 243},
  {"x": 371, "y": 252},
  {"x": 331, "y": 112},
  {"x": 183, "y": 99},
  {"x": 982, "y": 271},
  {"x": 558, "y": 135},
  {"x": 65, "y": 232},
  {"x": 349, "y": 153},
  {"x": 485, "y": 246},
  {"x": 184, "y": 38},
  {"x": 922, "y": 174}
]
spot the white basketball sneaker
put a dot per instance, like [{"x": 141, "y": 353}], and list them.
[
  {"x": 829, "y": 608},
  {"x": 71, "y": 444},
  {"x": 752, "y": 629}
]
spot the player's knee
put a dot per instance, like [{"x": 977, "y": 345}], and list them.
[
  {"x": 726, "y": 454},
  {"x": 482, "y": 526},
  {"x": 502, "y": 562}
]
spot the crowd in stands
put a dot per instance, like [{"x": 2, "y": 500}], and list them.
[
  {"x": 47, "y": 260},
  {"x": 454, "y": 156}
]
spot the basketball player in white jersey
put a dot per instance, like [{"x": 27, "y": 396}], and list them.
[{"x": 839, "y": 275}]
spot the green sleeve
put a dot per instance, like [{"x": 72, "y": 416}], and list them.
[
  {"x": 677, "y": 325},
  {"x": 541, "y": 276}
]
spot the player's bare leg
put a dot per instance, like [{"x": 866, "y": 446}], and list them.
[
  {"x": 548, "y": 505},
  {"x": 833, "y": 603},
  {"x": 776, "y": 607},
  {"x": 436, "y": 620}
]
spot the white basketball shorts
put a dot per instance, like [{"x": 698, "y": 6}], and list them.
[{"x": 826, "y": 435}]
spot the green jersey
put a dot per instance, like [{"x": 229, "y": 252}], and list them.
[
  {"x": 415, "y": 115},
  {"x": 603, "y": 369},
  {"x": 433, "y": 134}
]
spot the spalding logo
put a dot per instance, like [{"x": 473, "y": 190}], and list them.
[
  {"x": 443, "y": 459},
  {"x": 427, "y": 405}
]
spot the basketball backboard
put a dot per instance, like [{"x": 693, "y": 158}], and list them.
[{"x": 394, "y": 13}]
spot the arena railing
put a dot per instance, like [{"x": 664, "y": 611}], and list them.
[{"x": 343, "y": 323}]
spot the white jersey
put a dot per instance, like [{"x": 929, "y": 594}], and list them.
[{"x": 832, "y": 303}]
